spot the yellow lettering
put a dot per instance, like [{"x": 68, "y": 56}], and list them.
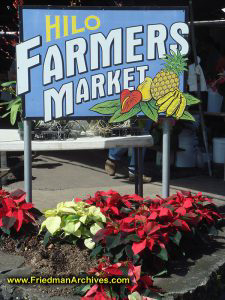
[
  {"x": 50, "y": 26},
  {"x": 74, "y": 26},
  {"x": 92, "y": 27},
  {"x": 65, "y": 22}
]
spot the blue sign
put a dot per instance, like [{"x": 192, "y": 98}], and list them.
[{"x": 88, "y": 63}]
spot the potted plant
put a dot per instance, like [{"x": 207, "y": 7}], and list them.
[{"x": 13, "y": 106}]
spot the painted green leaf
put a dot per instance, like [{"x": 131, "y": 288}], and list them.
[
  {"x": 107, "y": 107},
  {"x": 187, "y": 116},
  {"x": 150, "y": 110},
  {"x": 191, "y": 100},
  {"x": 118, "y": 117}
]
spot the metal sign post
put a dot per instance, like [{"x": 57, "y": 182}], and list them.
[
  {"x": 166, "y": 158},
  {"x": 27, "y": 160}
]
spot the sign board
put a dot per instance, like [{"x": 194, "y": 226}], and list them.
[{"x": 88, "y": 63}]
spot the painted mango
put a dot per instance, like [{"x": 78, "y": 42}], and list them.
[{"x": 145, "y": 89}]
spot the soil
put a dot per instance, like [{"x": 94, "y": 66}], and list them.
[{"x": 56, "y": 259}]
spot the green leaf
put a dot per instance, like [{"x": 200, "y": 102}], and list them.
[
  {"x": 163, "y": 272},
  {"x": 191, "y": 100},
  {"x": 213, "y": 231},
  {"x": 176, "y": 238},
  {"x": 89, "y": 243},
  {"x": 5, "y": 115},
  {"x": 81, "y": 289},
  {"x": 118, "y": 117},
  {"x": 8, "y": 83},
  {"x": 107, "y": 107},
  {"x": 132, "y": 237},
  {"x": 13, "y": 113},
  {"x": 187, "y": 116},
  {"x": 118, "y": 255},
  {"x": 52, "y": 224},
  {"x": 96, "y": 251},
  {"x": 46, "y": 238},
  {"x": 163, "y": 254},
  {"x": 113, "y": 241},
  {"x": 150, "y": 110},
  {"x": 96, "y": 227},
  {"x": 129, "y": 251},
  {"x": 151, "y": 294},
  {"x": 5, "y": 230}
]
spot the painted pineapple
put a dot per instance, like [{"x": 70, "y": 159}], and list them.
[
  {"x": 168, "y": 78},
  {"x": 165, "y": 86}
]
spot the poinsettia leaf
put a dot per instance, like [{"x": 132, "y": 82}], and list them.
[
  {"x": 118, "y": 117},
  {"x": 118, "y": 255},
  {"x": 81, "y": 289},
  {"x": 106, "y": 107},
  {"x": 138, "y": 247},
  {"x": 125, "y": 210},
  {"x": 113, "y": 241},
  {"x": 213, "y": 231},
  {"x": 151, "y": 294},
  {"x": 19, "y": 220},
  {"x": 96, "y": 251},
  {"x": 18, "y": 193},
  {"x": 89, "y": 243},
  {"x": 5, "y": 230},
  {"x": 46, "y": 238},
  {"x": 131, "y": 237},
  {"x": 163, "y": 254},
  {"x": 8, "y": 222},
  {"x": 112, "y": 294},
  {"x": 163, "y": 272},
  {"x": 129, "y": 251},
  {"x": 26, "y": 206},
  {"x": 150, "y": 110},
  {"x": 176, "y": 238}
]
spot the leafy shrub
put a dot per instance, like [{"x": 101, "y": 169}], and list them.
[
  {"x": 107, "y": 271},
  {"x": 74, "y": 219},
  {"x": 140, "y": 227},
  {"x": 14, "y": 211}
]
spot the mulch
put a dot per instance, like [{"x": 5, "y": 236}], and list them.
[{"x": 56, "y": 259}]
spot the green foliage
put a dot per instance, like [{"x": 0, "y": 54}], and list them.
[
  {"x": 187, "y": 117},
  {"x": 150, "y": 109},
  {"x": 191, "y": 100},
  {"x": 14, "y": 106},
  {"x": 118, "y": 117},
  {"x": 74, "y": 219},
  {"x": 107, "y": 107}
]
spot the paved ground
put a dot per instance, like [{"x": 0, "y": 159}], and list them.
[{"x": 60, "y": 176}]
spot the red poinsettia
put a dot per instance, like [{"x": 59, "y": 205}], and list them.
[
  {"x": 123, "y": 268},
  {"x": 14, "y": 210}
]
